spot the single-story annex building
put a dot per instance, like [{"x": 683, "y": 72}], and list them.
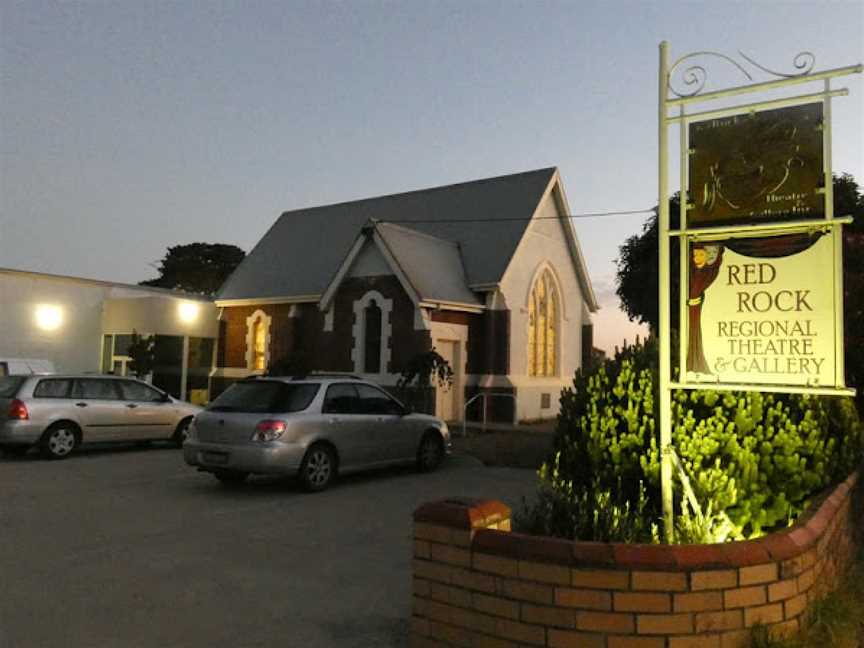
[
  {"x": 489, "y": 273},
  {"x": 85, "y": 325}
]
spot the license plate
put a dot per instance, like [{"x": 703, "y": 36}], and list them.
[{"x": 215, "y": 457}]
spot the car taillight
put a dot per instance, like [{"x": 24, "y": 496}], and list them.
[
  {"x": 268, "y": 430},
  {"x": 18, "y": 410}
]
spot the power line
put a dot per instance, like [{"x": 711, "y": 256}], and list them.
[{"x": 520, "y": 218}]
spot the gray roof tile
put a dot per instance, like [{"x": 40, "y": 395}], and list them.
[{"x": 304, "y": 248}]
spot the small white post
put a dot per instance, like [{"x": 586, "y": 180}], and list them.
[{"x": 184, "y": 367}]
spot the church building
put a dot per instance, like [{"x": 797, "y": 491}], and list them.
[{"x": 489, "y": 273}]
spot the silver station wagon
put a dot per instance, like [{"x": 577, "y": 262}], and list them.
[
  {"x": 312, "y": 427},
  {"x": 57, "y": 413}
]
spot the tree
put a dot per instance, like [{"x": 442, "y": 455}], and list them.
[
  {"x": 142, "y": 350},
  {"x": 424, "y": 371},
  {"x": 197, "y": 267},
  {"x": 637, "y": 275}
]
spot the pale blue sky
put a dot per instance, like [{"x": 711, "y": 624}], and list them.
[{"x": 126, "y": 127}]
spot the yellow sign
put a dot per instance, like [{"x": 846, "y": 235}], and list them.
[{"x": 761, "y": 311}]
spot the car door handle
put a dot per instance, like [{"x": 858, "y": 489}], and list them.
[
  {"x": 131, "y": 406},
  {"x": 80, "y": 404}
]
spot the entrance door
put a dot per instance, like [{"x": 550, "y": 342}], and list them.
[{"x": 446, "y": 402}]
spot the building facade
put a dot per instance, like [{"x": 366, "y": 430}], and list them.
[
  {"x": 85, "y": 325},
  {"x": 488, "y": 273}
]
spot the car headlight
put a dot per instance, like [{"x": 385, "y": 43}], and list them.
[{"x": 268, "y": 430}]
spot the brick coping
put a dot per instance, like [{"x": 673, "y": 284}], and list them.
[{"x": 475, "y": 514}]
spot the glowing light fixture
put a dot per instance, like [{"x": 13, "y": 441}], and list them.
[
  {"x": 49, "y": 318},
  {"x": 188, "y": 312}
]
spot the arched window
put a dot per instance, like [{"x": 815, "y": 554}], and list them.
[
  {"x": 258, "y": 341},
  {"x": 371, "y": 333},
  {"x": 372, "y": 352},
  {"x": 543, "y": 314},
  {"x": 259, "y": 345}
]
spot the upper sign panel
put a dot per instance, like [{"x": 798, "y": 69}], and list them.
[{"x": 758, "y": 167}]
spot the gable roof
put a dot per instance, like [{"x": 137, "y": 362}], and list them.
[
  {"x": 301, "y": 253},
  {"x": 429, "y": 268}
]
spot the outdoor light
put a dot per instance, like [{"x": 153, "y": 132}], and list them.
[
  {"x": 48, "y": 318},
  {"x": 188, "y": 312}
]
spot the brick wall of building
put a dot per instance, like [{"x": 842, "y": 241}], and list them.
[
  {"x": 476, "y": 584},
  {"x": 233, "y": 331},
  {"x": 328, "y": 350},
  {"x": 405, "y": 342},
  {"x": 488, "y": 339}
]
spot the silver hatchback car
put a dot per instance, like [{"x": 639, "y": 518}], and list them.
[
  {"x": 312, "y": 427},
  {"x": 57, "y": 413}
]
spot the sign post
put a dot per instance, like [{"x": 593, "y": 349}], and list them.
[
  {"x": 761, "y": 268},
  {"x": 664, "y": 296}
]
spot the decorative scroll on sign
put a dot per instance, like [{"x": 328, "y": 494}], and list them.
[{"x": 757, "y": 167}]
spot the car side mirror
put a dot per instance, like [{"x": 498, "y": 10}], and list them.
[
  {"x": 407, "y": 410},
  {"x": 166, "y": 398}
]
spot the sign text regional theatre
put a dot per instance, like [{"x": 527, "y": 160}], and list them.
[{"x": 762, "y": 310}]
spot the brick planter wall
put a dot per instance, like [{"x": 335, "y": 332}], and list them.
[{"x": 478, "y": 585}]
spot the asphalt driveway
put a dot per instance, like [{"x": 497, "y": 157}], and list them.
[{"x": 129, "y": 547}]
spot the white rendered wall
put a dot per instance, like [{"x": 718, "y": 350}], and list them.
[
  {"x": 544, "y": 245},
  {"x": 75, "y": 344},
  {"x": 369, "y": 263}
]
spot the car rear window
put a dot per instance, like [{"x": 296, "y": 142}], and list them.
[
  {"x": 9, "y": 385},
  {"x": 265, "y": 396},
  {"x": 53, "y": 388}
]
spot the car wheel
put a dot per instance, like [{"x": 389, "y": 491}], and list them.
[
  {"x": 59, "y": 441},
  {"x": 318, "y": 468},
  {"x": 431, "y": 452},
  {"x": 182, "y": 432},
  {"x": 15, "y": 450},
  {"x": 230, "y": 477}
]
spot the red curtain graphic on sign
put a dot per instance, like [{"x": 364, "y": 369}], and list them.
[{"x": 705, "y": 261}]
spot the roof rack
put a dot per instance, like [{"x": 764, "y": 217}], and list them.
[
  {"x": 330, "y": 374},
  {"x": 307, "y": 376}
]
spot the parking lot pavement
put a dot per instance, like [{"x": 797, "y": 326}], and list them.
[{"x": 130, "y": 547}]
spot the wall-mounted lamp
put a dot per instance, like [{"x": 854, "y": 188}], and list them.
[
  {"x": 49, "y": 318},
  {"x": 188, "y": 312}
]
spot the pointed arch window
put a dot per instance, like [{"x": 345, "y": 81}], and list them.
[
  {"x": 372, "y": 355},
  {"x": 543, "y": 313},
  {"x": 372, "y": 333},
  {"x": 259, "y": 345},
  {"x": 258, "y": 341}
]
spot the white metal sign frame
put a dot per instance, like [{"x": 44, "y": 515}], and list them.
[{"x": 695, "y": 76}]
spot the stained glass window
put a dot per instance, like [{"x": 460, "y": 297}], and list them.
[
  {"x": 543, "y": 328},
  {"x": 259, "y": 345}
]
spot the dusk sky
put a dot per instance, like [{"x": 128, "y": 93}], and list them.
[{"x": 126, "y": 127}]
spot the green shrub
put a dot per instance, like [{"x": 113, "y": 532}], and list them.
[
  {"x": 596, "y": 514},
  {"x": 754, "y": 460},
  {"x": 760, "y": 457}
]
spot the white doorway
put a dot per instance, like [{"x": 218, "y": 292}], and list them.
[
  {"x": 448, "y": 403},
  {"x": 450, "y": 342}
]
